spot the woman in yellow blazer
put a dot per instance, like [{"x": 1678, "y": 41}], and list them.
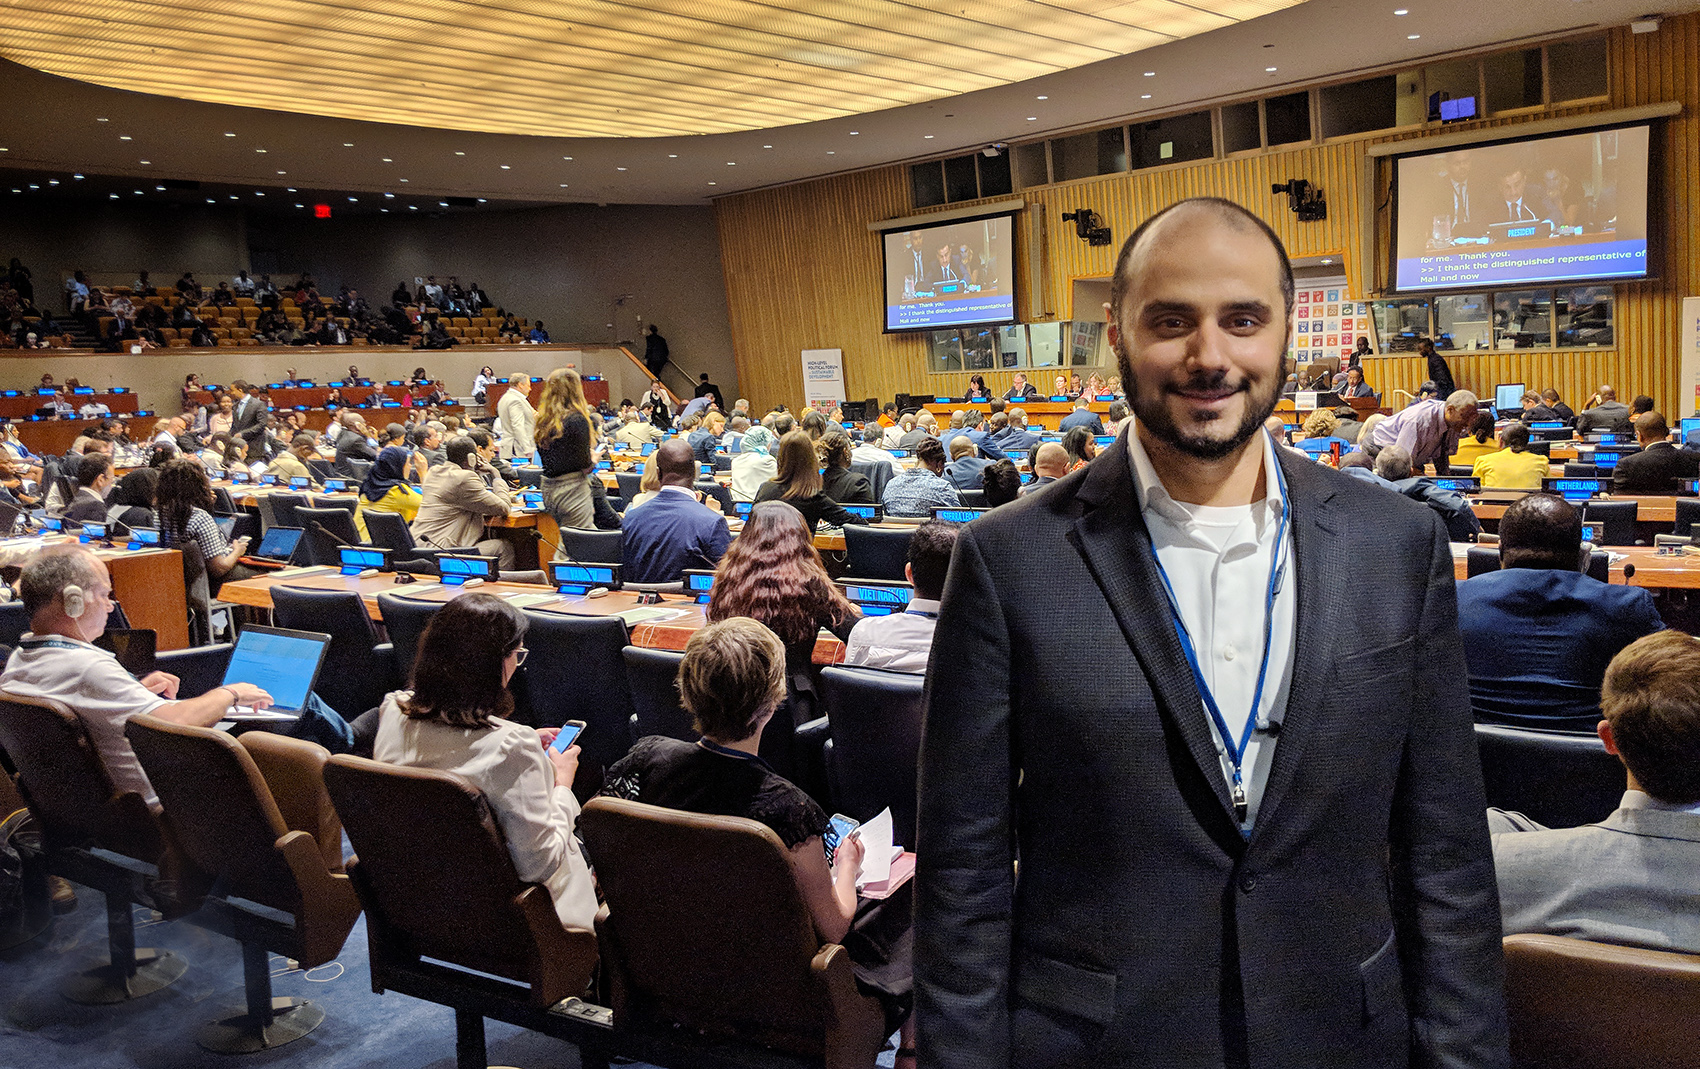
[{"x": 386, "y": 489}]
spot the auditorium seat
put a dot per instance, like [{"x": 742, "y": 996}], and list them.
[
  {"x": 441, "y": 897},
  {"x": 749, "y": 968},
  {"x": 1687, "y": 514},
  {"x": 1560, "y": 780},
  {"x": 591, "y": 546},
  {"x": 1483, "y": 559},
  {"x": 325, "y": 532},
  {"x": 1573, "y": 1004},
  {"x": 274, "y": 890},
  {"x": 99, "y": 837},
  {"x": 357, "y": 668},
  {"x": 655, "y": 702},
  {"x": 405, "y": 620},
  {"x": 873, "y": 756},
  {"x": 1617, "y": 518},
  {"x": 876, "y": 552},
  {"x": 1574, "y": 470},
  {"x": 566, "y": 651}
]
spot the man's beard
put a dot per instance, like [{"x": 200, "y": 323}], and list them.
[{"x": 1153, "y": 414}]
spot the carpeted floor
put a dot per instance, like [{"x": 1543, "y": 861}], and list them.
[{"x": 41, "y": 1029}]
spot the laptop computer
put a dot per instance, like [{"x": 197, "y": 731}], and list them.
[
  {"x": 276, "y": 549},
  {"x": 284, "y": 664},
  {"x": 11, "y": 518}
]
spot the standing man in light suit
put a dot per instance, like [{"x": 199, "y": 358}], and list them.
[
  {"x": 1242, "y": 842},
  {"x": 516, "y": 419}
]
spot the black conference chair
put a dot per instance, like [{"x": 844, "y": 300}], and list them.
[
  {"x": 358, "y": 469},
  {"x": 630, "y": 484},
  {"x": 655, "y": 700},
  {"x": 1617, "y": 519},
  {"x": 592, "y": 547},
  {"x": 877, "y": 474},
  {"x": 872, "y": 759},
  {"x": 14, "y": 621},
  {"x": 325, "y": 532},
  {"x": 320, "y": 501},
  {"x": 1460, "y": 470},
  {"x": 565, "y": 652},
  {"x": 390, "y": 531},
  {"x": 722, "y": 462},
  {"x": 1687, "y": 515},
  {"x": 1558, "y": 779},
  {"x": 720, "y": 493},
  {"x": 1574, "y": 470},
  {"x": 357, "y": 668},
  {"x": 973, "y": 499},
  {"x": 876, "y": 552},
  {"x": 405, "y": 619},
  {"x": 321, "y": 468},
  {"x": 282, "y": 508}
]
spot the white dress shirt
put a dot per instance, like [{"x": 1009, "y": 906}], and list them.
[
  {"x": 1217, "y": 561},
  {"x": 900, "y": 642}
]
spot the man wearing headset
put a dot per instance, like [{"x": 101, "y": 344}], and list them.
[{"x": 69, "y": 595}]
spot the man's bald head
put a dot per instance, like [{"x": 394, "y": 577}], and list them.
[
  {"x": 1129, "y": 261},
  {"x": 961, "y": 446},
  {"x": 1050, "y": 461},
  {"x": 1607, "y": 393},
  {"x": 675, "y": 463}
]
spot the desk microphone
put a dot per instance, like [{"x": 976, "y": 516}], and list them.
[
  {"x": 1628, "y": 570},
  {"x": 473, "y": 582}
]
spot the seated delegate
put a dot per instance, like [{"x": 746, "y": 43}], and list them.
[
  {"x": 732, "y": 681},
  {"x": 182, "y": 497},
  {"x": 1539, "y": 632},
  {"x": 453, "y": 719},
  {"x": 1630, "y": 878},
  {"x": 676, "y": 530},
  {"x": 1513, "y": 467},
  {"x": 902, "y": 642},
  {"x": 68, "y": 594},
  {"x": 386, "y": 489},
  {"x": 798, "y": 483}
]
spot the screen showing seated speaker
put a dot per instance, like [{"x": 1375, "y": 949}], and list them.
[
  {"x": 955, "y": 274},
  {"x": 1566, "y": 208}
]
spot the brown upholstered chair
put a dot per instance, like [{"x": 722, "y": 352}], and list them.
[
  {"x": 432, "y": 869},
  {"x": 752, "y": 968},
  {"x": 274, "y": 891},
  {"x": 1580, "y": 1005},
  {"x": 101, "y": 838}
]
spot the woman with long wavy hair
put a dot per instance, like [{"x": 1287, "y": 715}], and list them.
[
  {"x": 182, "y": 497},
  {"x": 566, "y": 440},
  {"x": 773, "y": 573}
]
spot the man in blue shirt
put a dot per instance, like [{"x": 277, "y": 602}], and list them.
[
  {"x": 676, "y": 529},
  {"x": 1082, "y": 416},
  {"x": 1017, "y": 439},
  {"x": 1539, "y": 633}
]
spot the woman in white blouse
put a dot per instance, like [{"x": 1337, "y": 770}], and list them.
[{"x": 452, "y": 721}]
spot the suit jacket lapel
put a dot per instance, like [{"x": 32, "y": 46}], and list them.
[
  {"x": 1112, "y": 538},
  {"x": 1318, "y": 553}
]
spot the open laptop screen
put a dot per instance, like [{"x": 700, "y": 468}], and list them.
[
  {"x": 279, "y": 543},
  {"x": 284, "y": 664}
]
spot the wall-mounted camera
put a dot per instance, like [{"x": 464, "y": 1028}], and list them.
[
  {"x": 1304, "y": 199},
  {"x": 1088, "y": 227},
  {"x": 993, "y": 150}
]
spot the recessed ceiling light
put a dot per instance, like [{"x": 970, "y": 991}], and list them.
[
  {"x": 124, "y": 137},
  {"x": 209, "y": 199},
  {"x": 386, "y": 211},
  {"x": 78, "y": 177},
  {"x": 261, "y": 151},
  {"x": 160, "y": 188},
  {"x": 619, "y": 168},
  {"x": 1401, "y": 11},
  {"x": 257, "y": 193},
  {"x": 391, "y": 196},
  {"x": 233, "y": 196},
  {"x": 672, "y": 155},
  {"x": 566, "y": 157},
  {"x": 102, "y": 119},
  {"x": 300, "y": 205},
  {"x": 1145, "y": 96},
  {"x": 481, "y": 200},
  {"x": 413, "y": 207},
  {"x": 829, "y": 152},
  {"x": 767, "y": 146},
  {"x": 291, "y": 189},
  {"x": 1151, "y": 74},
  {"x": 1032, "y": 118},
  {"x": 927, "y": 137},
  {"x": 1271, "y": 70},
  {"x": 714, "y": 183},
  {"x": 34, "y": 186},
  {"x": 348, "y": 144},
  {"x": 1412, "y": 36},
  {"x": 353, "y": 200},
  {"x": 731, "y": 163},
  {"x": 401, "y": 180},
  {"x": 388, "y": 160},
  {"x": 113, "y": 196},
  {"x": 1041, "y": 98},
  {"x": 853, "y": 133},
  {"x": 460, "y": 154},
  {"x": 138, "y": 192},
  {"x": 283, "y": 172},
  {"x": 505, "y": 167},
  {"x": 563, "y": 185},
  {"x": 1327, "y": 261},
  {"x": 146, "y": 163},
  {"x": 442, "y": 204},
  {"x": 53, "y": 181}
]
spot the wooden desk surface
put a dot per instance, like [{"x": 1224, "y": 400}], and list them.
[
  {"x": 669, "y": 633},
  {"x": 148, "y": 582},
  {"x": 1653, "y": 508},
  {"x": 1652, "y": 571}
]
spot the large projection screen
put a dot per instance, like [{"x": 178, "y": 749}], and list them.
[
  {"x": 1567, "y": 208},
  {"x": 955, "y": 274}
]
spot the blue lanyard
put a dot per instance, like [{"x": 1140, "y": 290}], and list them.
[
  {"x": 921, "y": 612},
  {"x": 737, "y": 755},
  {"x": 1235, "y": 749}
]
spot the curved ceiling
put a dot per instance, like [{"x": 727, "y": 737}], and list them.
[{"x": 588, "y": 68}]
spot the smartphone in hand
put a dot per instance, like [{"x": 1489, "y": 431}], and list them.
[{"x": 570, "y": 731}]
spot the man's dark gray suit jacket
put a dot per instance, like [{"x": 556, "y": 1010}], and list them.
[{"x": 1358, "y": 927}]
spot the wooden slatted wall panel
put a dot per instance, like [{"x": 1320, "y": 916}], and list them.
[{"x": 802, "y": 271}]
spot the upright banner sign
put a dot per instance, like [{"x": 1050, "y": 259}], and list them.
[
  {"x": 1690, "y": 384},
  {"x": 823, "y": 376}
]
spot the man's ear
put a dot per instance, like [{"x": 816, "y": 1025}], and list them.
[{"x": 1603, "y": 729}]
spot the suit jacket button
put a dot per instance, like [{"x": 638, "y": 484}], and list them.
[{"x": 1247, "y": 882}]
